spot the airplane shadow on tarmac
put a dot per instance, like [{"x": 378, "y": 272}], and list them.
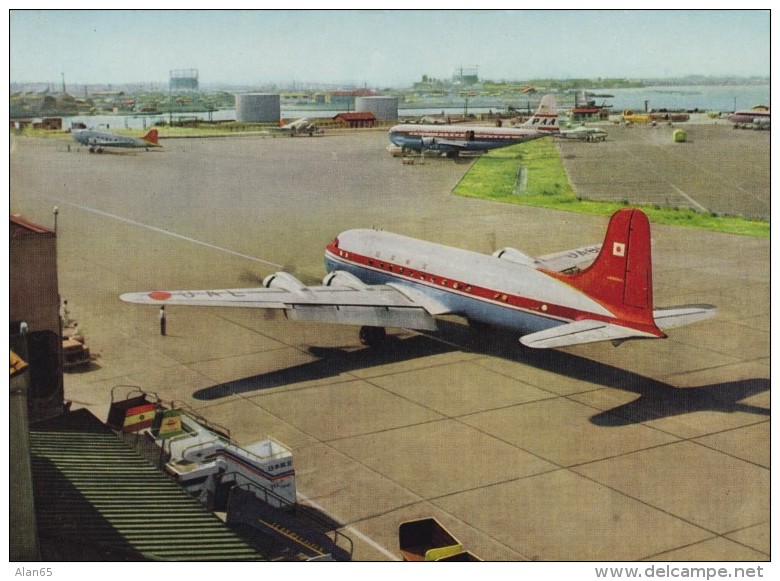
[{"x": 656, "y": 399}]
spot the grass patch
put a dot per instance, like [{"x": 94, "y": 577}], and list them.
[{"x": 492, "y": 177}]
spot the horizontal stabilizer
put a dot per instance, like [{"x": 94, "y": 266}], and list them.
[
  {"x": 570, "y": 260},
  {"x": 579, "y": 332},
  {"x": 669, "y": 318}
]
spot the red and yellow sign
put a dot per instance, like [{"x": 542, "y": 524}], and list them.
[{"x": 139, "y": 417}]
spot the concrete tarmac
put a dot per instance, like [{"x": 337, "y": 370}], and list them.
[{"x": 655, "y": 450}]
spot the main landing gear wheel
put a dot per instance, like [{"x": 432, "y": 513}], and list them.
[
  {"x": 481, "y": 328},
  {"x": 372, "y": 336}
]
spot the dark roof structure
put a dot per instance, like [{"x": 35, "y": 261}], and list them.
[
  {"x": 97, "y": 499},
  {"x": 357, "y": 116}
]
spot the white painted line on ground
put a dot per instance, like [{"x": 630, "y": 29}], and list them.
[
  {"x": 352, "y": 529},
  {"x": 161, "y": 231},
  {"x": 690, "y": 199}
]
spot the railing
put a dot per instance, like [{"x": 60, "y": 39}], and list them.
[
  {"x": 321, "y": 523},
  {"x": 218, "y": 429}
]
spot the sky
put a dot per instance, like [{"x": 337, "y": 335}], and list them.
[{"x": 383, "y": 48}]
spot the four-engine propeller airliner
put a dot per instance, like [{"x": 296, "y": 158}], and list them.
[
  {"x": 97, "y": 140},
  {"x": 452, "y": 139},
  {"x": 377, "y": 279}
]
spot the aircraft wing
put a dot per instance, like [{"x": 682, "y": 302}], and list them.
[
  {"x": 579, "y": 332},
  {"x": 568, "y": 260},
  {"x": 450, "y": 144},
  {"x": 351, "y": 304}
]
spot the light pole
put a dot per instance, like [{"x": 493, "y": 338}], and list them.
[{"x": 56, "y": 211}]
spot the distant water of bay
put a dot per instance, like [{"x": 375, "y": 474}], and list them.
[{"x": 704, "y": 98}]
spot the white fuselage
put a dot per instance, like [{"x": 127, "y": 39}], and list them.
[
  {"x": 469, "y": 138},
  {"x": 477, "y": 286},
  {"x": 101, "y": 139}
]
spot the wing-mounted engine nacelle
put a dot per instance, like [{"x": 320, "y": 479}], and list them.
[
  {"x": 428, "y": 142},
  {"x": 343, "y": 278},
  {"x": 514, "y": 255},
  {"x": 284, "y": 281}
]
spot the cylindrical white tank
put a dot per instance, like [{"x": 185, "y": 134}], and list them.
[
  {"x": 258, "y": 108},
  {"x": 384, "y": 108}
]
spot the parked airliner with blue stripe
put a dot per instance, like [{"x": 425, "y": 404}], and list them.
[
  {"x": 452, "y": 139},
  {"x": 378, "y": 279}
]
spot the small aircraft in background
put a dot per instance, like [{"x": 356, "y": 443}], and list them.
[
  {"x": 377, "y": 279},
  {"x": 583, "y": 133},
  {"x": 98, "y": 140},
  {"x": 301, "y": 126},
  {"x": 452, "y": 139}
]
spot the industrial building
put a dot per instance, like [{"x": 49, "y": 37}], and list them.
[
  {"x": 346, "y": 99},
  {"x": 355, "y": 120},
  {"x": 183, "y": 80}
]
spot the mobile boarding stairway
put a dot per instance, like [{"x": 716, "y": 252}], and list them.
[{"x": 253, "y": 485}]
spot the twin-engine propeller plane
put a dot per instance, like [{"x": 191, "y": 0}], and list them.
[
  {"x": 452, "y": 139},
  {"x": 98, "y": 140},
  {"x": 378, "y": 279},
  {"x": 301, "y": 126}
]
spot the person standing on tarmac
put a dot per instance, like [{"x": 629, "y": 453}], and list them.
[{"x": 162, "y": 321}]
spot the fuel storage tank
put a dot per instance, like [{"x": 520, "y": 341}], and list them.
[
  {"x": 384, "y": 108},
  {"x": 258, "y": 108}
]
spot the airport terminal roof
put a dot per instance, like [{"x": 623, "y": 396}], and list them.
[{"x": 96, "y": 499}]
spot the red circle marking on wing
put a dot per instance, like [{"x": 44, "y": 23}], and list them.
[{"x": 160, "y": 295}]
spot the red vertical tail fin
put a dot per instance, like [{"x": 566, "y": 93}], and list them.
[
  {"x": 621, "y": 278},
  {"x": 151, "y": 137}
]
